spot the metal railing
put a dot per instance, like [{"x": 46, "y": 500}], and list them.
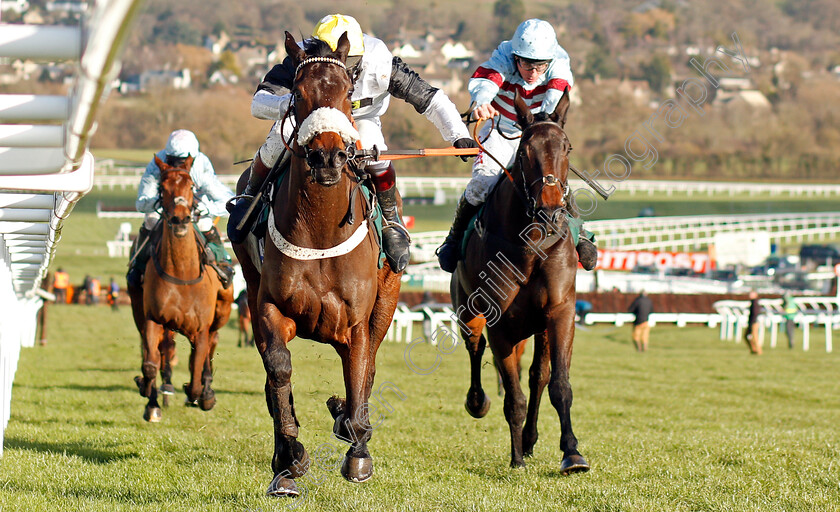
[{"x": 46, "y": 168}]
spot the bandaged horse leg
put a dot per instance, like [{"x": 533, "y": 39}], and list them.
[{"x": 395, "y": 237}]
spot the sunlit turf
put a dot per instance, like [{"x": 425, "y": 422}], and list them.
[{"x": 694, "y": 424}]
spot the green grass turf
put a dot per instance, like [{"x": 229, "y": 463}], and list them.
[{"x": 693, "y": 424}]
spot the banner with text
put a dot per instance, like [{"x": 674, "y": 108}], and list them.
[{"x": 627, "y": 260}]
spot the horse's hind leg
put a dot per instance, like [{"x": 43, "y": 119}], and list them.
[
  {"x": 477, "y": 403},
  {"x": 290, "y": 459},
  {"x": 153, "y": 334},
  {"x": 515, "y": 404},
  {"x": 561, "y": 333},
  {"x": 208, "y": 396},
  {"x": 537, "y": 379}
]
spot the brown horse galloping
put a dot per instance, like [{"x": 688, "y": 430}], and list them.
[
  {"x": 178, "y": 294},
  {"x": 319, "y": 278},
  {"x": 518, "y": 279}
]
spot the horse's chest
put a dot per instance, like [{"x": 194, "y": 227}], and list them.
[{"x": 324, "y": 307}]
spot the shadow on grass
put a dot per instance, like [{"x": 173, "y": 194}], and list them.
[{"x": 89, "y": 454}]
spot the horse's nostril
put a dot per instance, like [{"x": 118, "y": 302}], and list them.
[{"x": 339, "y": 158}]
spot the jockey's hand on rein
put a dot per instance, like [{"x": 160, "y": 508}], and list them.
[{"x": 465, "y": 143}]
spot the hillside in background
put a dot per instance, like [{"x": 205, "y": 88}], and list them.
[{"x": 195, "y": 63}]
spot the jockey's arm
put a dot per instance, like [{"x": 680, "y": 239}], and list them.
[
  {"x": 271, "y": 101},
  {"x": 148, "y": 191},
  {"x": 214, "y": 193},
  {"x": 430, "y": 101}
]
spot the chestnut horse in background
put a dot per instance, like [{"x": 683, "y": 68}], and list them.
[
  {"x": 319, "y": 278},
  {"x": 178, "y": 294},
  {"x": 518, "y": 279}
]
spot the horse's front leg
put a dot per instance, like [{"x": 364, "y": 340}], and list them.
[
  {"x": 152, "y": 335},
  {"x": 200, "y": 350},
  {"x": 538, "y": 377},
  {"x": 353, "y": 424},
  {"x": 290, "y": 459},
  {"x": 515, "y": 404},
  {"x": 561, "y": 333},
  {"x": 477, "y": 403},
  {"x": 208, "y": 396},
  {"x": 167, "y": 355}
]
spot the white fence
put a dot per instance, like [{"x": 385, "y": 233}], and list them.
[
  {"x": 681, "y": 233},
  {"x": 823, "y": 311},
  {"x": 46, "y": 168},
  {"x": 451, "y": 188}
]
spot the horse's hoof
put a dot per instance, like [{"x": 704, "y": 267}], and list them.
[
  {"x": 167, "y": 389},
  {"x": 357, "y": 469},
  {"x": 152, "y": 414},
  {"x": 190, "y": 403},
  {"x": 282, "y": 486},
  {"x": 477, "y": 404},
  {"x": 207, "y": 402},
  {"x": 516, "y": 464},
  {"x": 573, "y": 464}
]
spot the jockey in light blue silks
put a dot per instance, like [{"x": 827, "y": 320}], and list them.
[
  {"x": 210, "y": 194},
  {"x": 536, "y": 66},
  {"x": 377, "y": 75}
]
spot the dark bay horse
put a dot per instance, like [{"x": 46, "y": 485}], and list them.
[
  {"x": 319, "y": 278},
  {"x": 518, "y": 280},
  {"x": 178, "y": 294}
]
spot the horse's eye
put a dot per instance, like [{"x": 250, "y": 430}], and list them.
[{"x": 297, "y": 96}]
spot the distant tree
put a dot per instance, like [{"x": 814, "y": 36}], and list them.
[
  {"x": 600, "y": 63},
  {"x": 657, "y": 72},
  {"x": 509, "y": 14}
]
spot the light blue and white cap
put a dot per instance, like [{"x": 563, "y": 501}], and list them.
[
  {"x": 534, "y": 39},
  {"x": 181, "y": 144}
]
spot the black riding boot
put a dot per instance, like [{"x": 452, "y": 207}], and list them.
[
  {"x": 223, "y": 267},
  {"x": 449, "y": 252},
  {"x": 140, "y": 256},
  {"x": 238, "y": 209},
  {"x": 395, "y": 238}
]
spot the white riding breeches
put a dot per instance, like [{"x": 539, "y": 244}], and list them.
[{"x": 485, "y": 171}]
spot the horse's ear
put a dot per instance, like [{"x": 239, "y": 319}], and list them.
[
  {"x": 293, "y": 50},
  {"x": 343, "y": 47},
  {"x": 524, "y": 116},
  {"x": 559, "y": 114},
  {"x": 188, "y": 162},
  {"x": 161, "y": 164}
]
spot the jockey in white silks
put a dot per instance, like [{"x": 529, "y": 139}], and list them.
[
  {"x": 210, "y": 194},
  {"x": 377, "y": 75},
  {"x": 536, "y": 66}
]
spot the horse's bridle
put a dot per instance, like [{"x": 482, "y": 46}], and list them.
[
  {"x": 548, "y": 180},
  {"x": 307, "y": 151}
]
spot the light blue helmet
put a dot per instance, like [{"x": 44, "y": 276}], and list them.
[
  {"x": 181, "y": 144},
  {"x": 535, "y": 40}
]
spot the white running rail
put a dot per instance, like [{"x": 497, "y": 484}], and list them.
[{"x": 45, "y": 165}]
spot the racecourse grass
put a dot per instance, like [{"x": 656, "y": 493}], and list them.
[{"x": 694, "y": 424}]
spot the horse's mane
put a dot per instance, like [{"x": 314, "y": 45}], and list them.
[{"x": 316, "y": 48}]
